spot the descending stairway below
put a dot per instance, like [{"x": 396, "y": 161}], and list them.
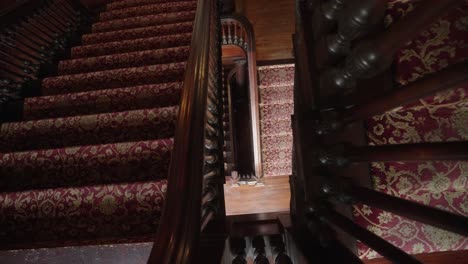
[
  {"x": 443, "y": 117},
  {"x": 276, "y": 107},
  {"x": 88, "y": 161}
]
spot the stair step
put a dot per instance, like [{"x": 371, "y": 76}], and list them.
[
  {"x": 85, "y": 165},
  {"x": 119, "y": 78},
  {"x": 276, "y": 126},
  {"x": 151, "y": 9},
  {"x": 95, "y": 129},
  {"x": 133, "y": 252},
  {"x": 114, "y": 5},
  {"x": 102, "y": 101},
  {"x": 279, "y": 141},
  {"x": 61, "y": 215},
  {"x": 276, "y": 111},
  {"x": 137, "y": 33},
  {"x": 277, "y": 168},
  {"x": 143, "y": 21},
  {"x": 277, "y": 94},
  {"x": 124, "y": 60},
  {"x": 131, "y": 45}
]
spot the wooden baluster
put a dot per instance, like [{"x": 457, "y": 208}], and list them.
[
  {"x": 235, "y": 33},
  {"x": 332, "y": 250},
  {"x": 442, "y": 80},
  {"x": 229, "y": 33},
  {"x": 325, "y": 17},
  {"x": 238, "y": 250},
  {"x": 375, "y": 242},
  {"x": 259, "y": 253},
  {"x": 357, "y": 18},
  {"x": 223, "y": 29},
  {"x": 279, "y": 250},
  {"x": 415, "y": 211},
  {"x": 373, "y": 56}
]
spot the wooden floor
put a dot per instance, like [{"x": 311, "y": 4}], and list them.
[
  {"x": 273, "y": 24},
  {"x": 273, "y": 197}
]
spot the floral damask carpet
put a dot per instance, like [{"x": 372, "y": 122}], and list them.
[
  {"x": 276, "y": 107},
  {"x": 442, "y": 117},
  {"x": 88, "y": 160}
]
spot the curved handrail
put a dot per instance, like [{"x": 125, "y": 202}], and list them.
[
  {"x": 244, "y": 37},
  {"x": 195, "y": 165}
]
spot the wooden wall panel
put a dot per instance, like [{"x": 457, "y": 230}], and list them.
[{"x": 273, "y": 23}]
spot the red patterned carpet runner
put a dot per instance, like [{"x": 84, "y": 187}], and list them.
[
  {"x": 88, "y": 161},
  {"x": 276, "y": 108},
  {"x": 443, "y": 117}
]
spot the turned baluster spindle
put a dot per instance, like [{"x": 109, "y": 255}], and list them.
[
  {"x": 279, "y": 250},
  {"x": 258, "y": 244},
  {"x": 373, "y": 56},
  {"x": 358, "y": 18},
  {"x": 326, "y": 17},
  {"x": 237, "y": 247}
]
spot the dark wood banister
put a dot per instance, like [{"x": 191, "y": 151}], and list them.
[
  {"x": 249, "y": 49},
  {"x": 181, "y": 222}
]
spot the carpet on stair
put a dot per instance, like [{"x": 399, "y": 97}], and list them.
[
  {"x": 124, "y": 60},
  {"x": 143, "y": 21},
  {"x": 276, "y": 107},
  {"x": 117, "y": 78},
  {"x": 85, "y": 165},
  {"x": 102, "y": 101},
  {"x": 150, "y": 9},
  {"x": 131, "y": 45},
  {"x": 137, "y": 33},
  {"x": 442, "y": 117},
  {"x": 88, "y": 161}
]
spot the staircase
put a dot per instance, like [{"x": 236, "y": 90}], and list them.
[
  {"x": 87, "y": 160},
  {"x": 276, "y": 107}
]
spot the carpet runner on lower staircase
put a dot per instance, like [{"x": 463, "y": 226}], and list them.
[
  {"x": 437, "y": 118},
  {"x": 276, "y": 107},
  {"x": 89, "y": 158}
]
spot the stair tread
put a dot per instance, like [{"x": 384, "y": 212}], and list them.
[
  {"x": 137, "y": 33},
  {"x": 89, "y": 160},
  {"x": 131, "y": 45},
  {"x": 147, "y": 10},
  {"x": 85, "y": 165},
  {"x": 102, "y": 101},
  {"x": 117, "y": 78},
  {"x": 114, "y": 5},
  {"x": 143, "y": 21},
  {"x": 124, "y": 60},
  {"x": 90, "y": 212},
  {"x": 105, "y": 128}
]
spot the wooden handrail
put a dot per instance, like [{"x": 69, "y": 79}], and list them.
[
  {"x": 248, "y": 46},
  {"x": 184, "y": 214}
]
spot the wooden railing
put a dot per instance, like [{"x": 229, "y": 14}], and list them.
[
  {"x": 34, "y": 36},
  {"x": 195, "y": 191},
  {"x": 237, "y": 30},
  {"x": 341, "y": 53}
]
